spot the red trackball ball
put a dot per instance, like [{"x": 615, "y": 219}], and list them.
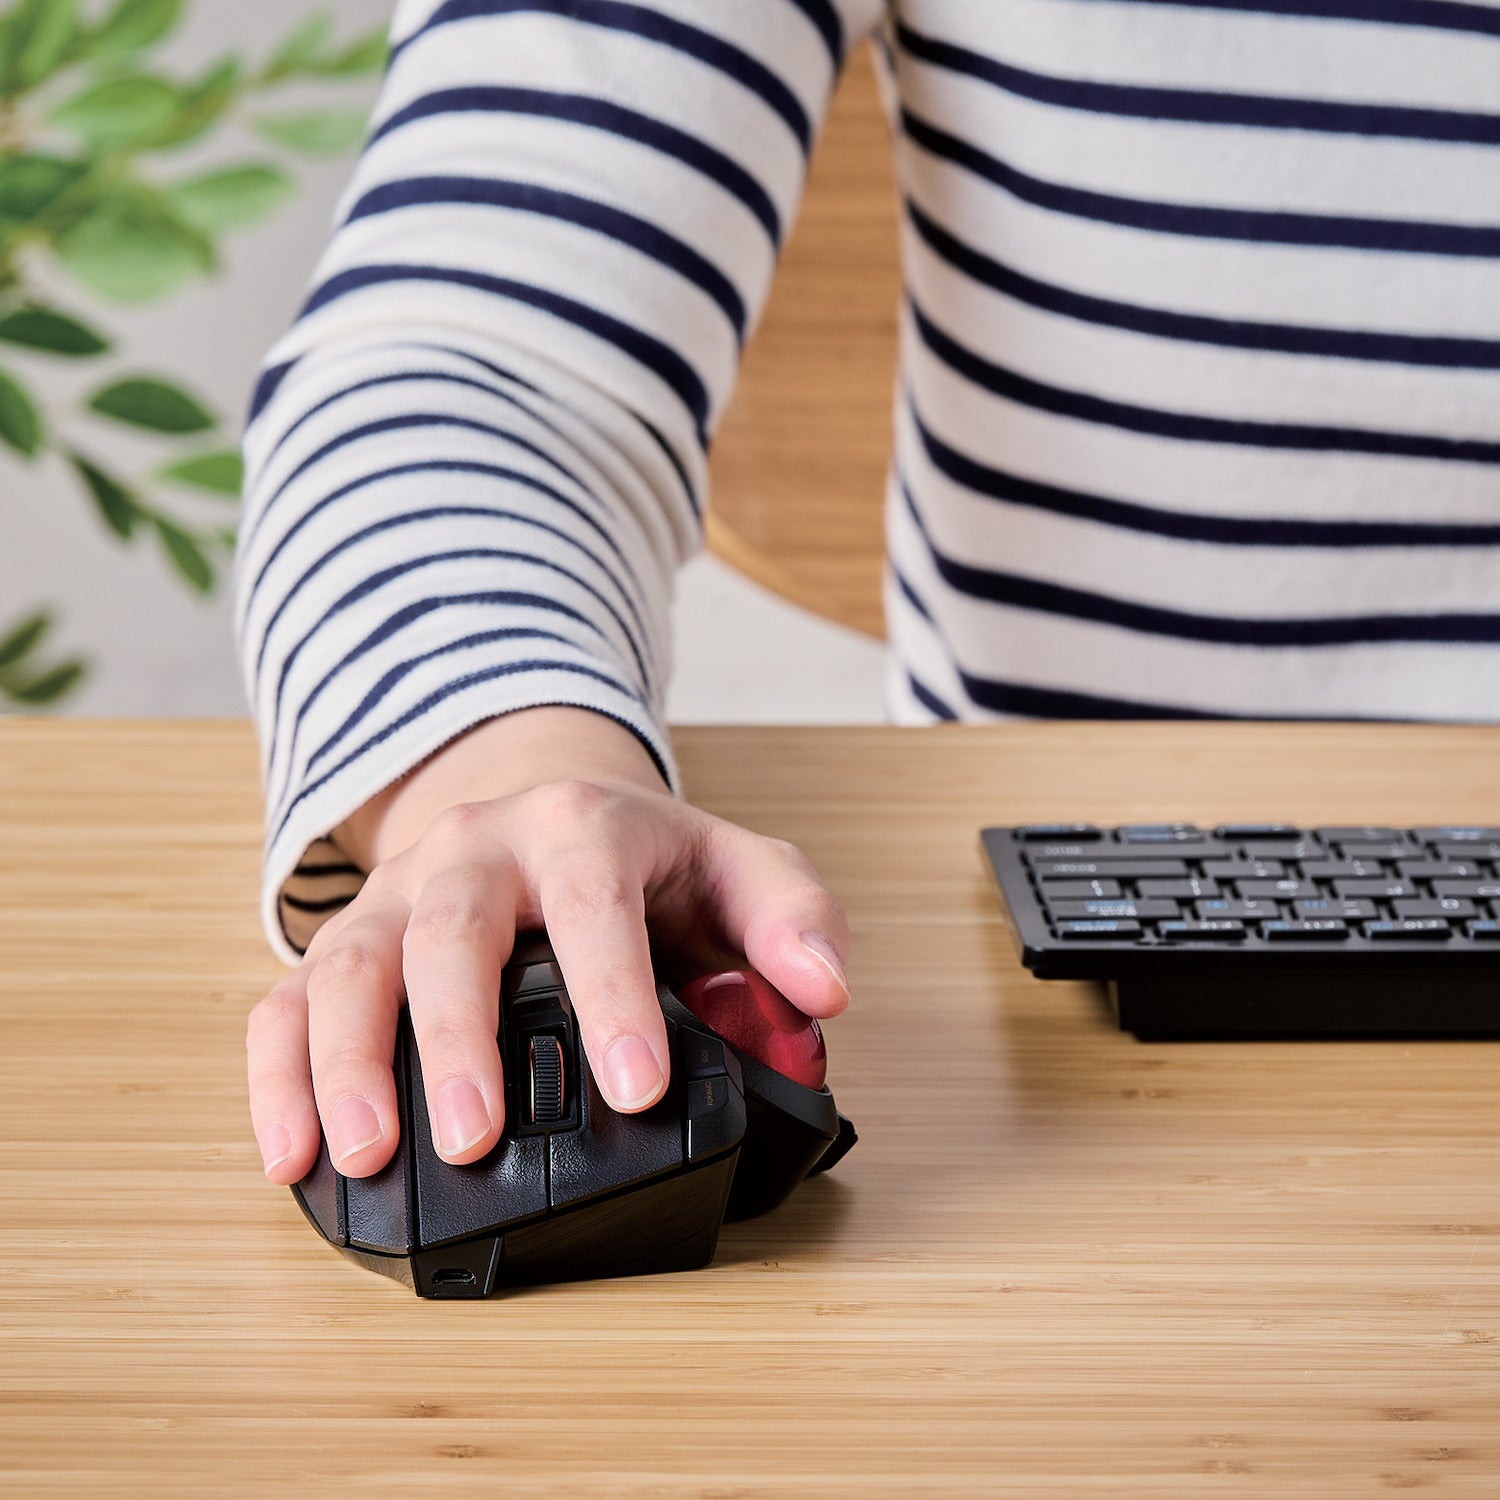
[{"x": 755, "y": 1017}]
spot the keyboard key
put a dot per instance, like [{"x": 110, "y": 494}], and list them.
[
  {"x": 1484, "y": 931},
  {"x": 1059, "y": 890},
  {"x": 1318, "y": 930},
  {"x": 1458, "y": 834},
  {"x": 1144, "y": 911},
  {"x": 1327, "y": 906},
  {"x": 1113, "y": 929},
  {"x": 1112, "y": 869},
  {"x": 1358, "y": 835},
  {"x": 1055, "y": 833},
  {"x": 1274, "y": 890},
  {"x": 1160, "y": 833},
  {"x": 1244, "y": 869},
  {"x": 1474, "y": 890},
  {"x": 1376, "y": 851},
  {"x": 1237, "y": 911},
  {"x": 1450, "y": 850},
  {"x": 1436, "y": 869},
  {"x": 1206, "y": 932},
  {"x": 1259, "y": 831},
  {"x": 1284, "y": 849},
  {"x": 1342, "y": 869},
  {"x": 1376, "y": 890},
  {"x": 1422, "y": 929},
  {"x": 1191, "y": 889},
  {"x": 1453, "y": 907}
]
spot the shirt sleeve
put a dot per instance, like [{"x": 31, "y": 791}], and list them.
[{"x": 476, "y": 459}]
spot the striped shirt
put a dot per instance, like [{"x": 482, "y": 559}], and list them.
[{"x": 1198, "y": 408}]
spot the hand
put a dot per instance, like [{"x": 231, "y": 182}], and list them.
[{"x": 599, "y": 863}]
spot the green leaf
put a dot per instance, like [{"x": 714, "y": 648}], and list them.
[
  {"x": 20, "y": 426},
  {"x": 187, "y": 556},
  {"x": 127, "y": 246},
  {"x": 366, "y": 54},
  {"x": 300, "y": 50},
  {"x": 131, "y": 25},
  {"x": 115, "y": 502},
  {"x": 151, "y": 403},
  {"x": 222, "y": 473},
  {"x": 315, "y": 132},
  {"x": 21, "y": 640},
  {"x": 230, "y": 197},
  {"x": 49, "y": 687},
  {"x": 30, "y": 183},
  {"x": 44, "y": 35},
  {"x": 42, "y": 328},
  {"x": 201, "y": 105},
  {"x": 120, "y": 112}
]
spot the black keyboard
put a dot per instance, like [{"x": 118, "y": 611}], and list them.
[{"x": 1263, "y": 929}]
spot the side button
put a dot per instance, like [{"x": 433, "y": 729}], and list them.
[
  {"x": 715, "y": 1117},
  {"x": 702, "y": 1056}
]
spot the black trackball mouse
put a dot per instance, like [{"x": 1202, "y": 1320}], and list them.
[{"x": 573, "y": 1190}]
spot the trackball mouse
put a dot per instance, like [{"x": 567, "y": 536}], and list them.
[{"x": 572, "y": 1189}]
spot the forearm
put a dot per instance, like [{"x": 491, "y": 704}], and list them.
[{"x": 495, "y": 759}]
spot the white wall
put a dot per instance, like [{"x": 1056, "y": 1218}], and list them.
[{"x": 154, "y": 648}]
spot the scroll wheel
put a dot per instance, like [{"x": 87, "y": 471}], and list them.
[{"x": 546, "y": 1080}]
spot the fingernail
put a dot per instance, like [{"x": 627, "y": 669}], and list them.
[
  {"x": 822, "y": 950},
  {"x": 354, "y": 1126},
  {"x": 462, "y": 1117},
  {"x": 631, "y": 1072},
  {"x": 275, "y": 1144}
]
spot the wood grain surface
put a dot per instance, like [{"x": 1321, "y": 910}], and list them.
[
  {"x": 1059, "y": 1263},
  {"x": 799, "y": 464}
]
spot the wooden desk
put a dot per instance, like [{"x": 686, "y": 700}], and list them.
[{"x": 1060, "y": 1263}]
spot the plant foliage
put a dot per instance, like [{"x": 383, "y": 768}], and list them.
[{"x": 90, "y": 122}]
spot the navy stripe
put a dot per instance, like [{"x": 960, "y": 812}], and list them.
[
  {"x": 410, "y": 613},
  {"x": 825, "y": 18},
  {"x": 404, "y": 669},
  {"x": 309, "y": 871},
  {"x": 328, "y": 903},
  {"x": 1254, "y": 225},
  {"x": 433, "y": 466},
  {"x": 613, "y": 119},
  {"x": 266, "y": 387},
  {"x": 1242, "y": 531},
  {"x": 912, "y": 597},
  {"x": 460, "y": 684},
  {"x": 1190, "y": 427},
  {"x": 1208, "y": 107},
  {"x": 663, "y": 360},
  {"x": 567, "y": 208},
  {"x": 403, "y": 423},
  {"x": 479, "y": 513},
  {"x": 636, "y": 20},
  {"x": 368, "y": 586},
  {"x": 1443, "y": 15},
  {"x": 1232, "y": 333},
  {"x": 1027, "y": 701},
  {"x": 445, "y": 377},
  {"x": 1017, "y": 592},
  {"x": 929, "y": 699}
]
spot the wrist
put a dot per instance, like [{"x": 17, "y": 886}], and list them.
[{"x": 498, "y": 758}]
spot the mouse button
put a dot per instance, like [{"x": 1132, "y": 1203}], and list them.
[
  {"x": 508, "y": 1185},
  {"x": 714, "y": 1116},
  {"x": 320, "y": 1195},
  {"x": 612, "y": 1150},
  {"x": 700, "y": 1055},
  {"x": 531, "y": 979},
  {"x": 379, "y": 1207}
]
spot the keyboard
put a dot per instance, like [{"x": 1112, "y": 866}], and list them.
[{"x": 1263, "y": 929}]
